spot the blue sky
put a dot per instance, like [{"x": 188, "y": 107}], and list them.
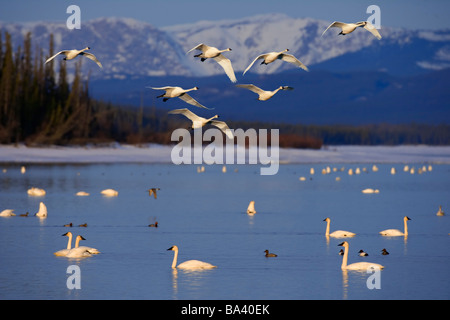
[{"x": 423, "y": 14}]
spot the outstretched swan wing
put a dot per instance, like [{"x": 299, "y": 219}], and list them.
[
  {"x": 251, "y": 87},
  {"x": 200, "y": 46},
  {"x": 290, "y": 58},
  {"x": 51, "y": 58},
  {"x": 187, "y": 113},
  {"x": 188, "y": 99},
  {"x": 224, "y": 127},
  {"x": 92, "y": 57},
  {"x": 369, "y": 27},
  {"x": 334, "y": 24},
  {"x": 261, "y": 56},
  {"x": 225, "y": 63}
]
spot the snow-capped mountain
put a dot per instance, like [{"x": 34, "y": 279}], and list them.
[{"x": 128, "y": 48}]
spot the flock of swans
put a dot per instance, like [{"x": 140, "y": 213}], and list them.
[{"x": 209, "y": 52}]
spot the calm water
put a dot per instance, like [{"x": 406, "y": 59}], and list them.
[{"x": 204, "y": 215}]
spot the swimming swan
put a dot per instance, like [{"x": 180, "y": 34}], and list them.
[
  {"x": 272, "y": 56},
  {"x": 189, "y": 265},
  {"x": 198, "y": 122},
  {"x": 337, "y": 233},
  {"x": 357, "y": 265},
  {"x": 72, "y": 54},
  {"x": 36, "y": 192},
  {"x": 7, "y": 213},
  {"x": 88, "y": 249},
  {"x": 216, "y": 54},
  {"x": 440, "y": 212},
  {"x": 263, "y": 95},
  {"x": 396, "y": 232},
  {"x": 42, "y": 213},
  {"x": 64, "y": 252},
  {"x": 110, "y": 193},
  {"x": 347, "y": 28},
  {"x": 178, "y": 92},
  {"x": 251, "y": 208}
]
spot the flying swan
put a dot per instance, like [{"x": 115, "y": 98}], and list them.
[
  {"x": 272, "y": 56},
  {"x": 216, "y": 54},
  {"x": 189, "y": 265},
  {"x": 357, "y": 265},
  {"x": 199, "y": 122},
  {"x": 347, "y": 28},
  {"x": 396, "y": 232},
  {"x": 337, "y": 233},
  {"x": 72, "y": 54},
  {"x": 178, "y": 92},
  {"x": 263, "y": 95}
]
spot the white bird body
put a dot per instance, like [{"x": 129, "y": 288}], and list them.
[
  {"x": 78, "y": 251},
  {"x": 190, "y": 264},
  {"x": 42, "y": 213},
  {"x": 357, "y": 265},
  {"x": 440, "y": 212},
  {"x": 7, "y": 213},
  {"x": 199, "y": 122},
  {"x": 273, "y": 56},
  {"x": 110, "y": 193},
  {"x": 209, "y": 52},
  {"x": 262, "y": 94},
  {"x": 178, "y": 92},
  {"x": 396, "y": 232},
  {"x": 72, "y": 54},
  {"x": 251, "y": 208},
  {"x": 337, "y": 233},
  {"x": 36, "y": 192},
  {"x": 370, "y": 190},
  {"x": 347, "y": 28}
]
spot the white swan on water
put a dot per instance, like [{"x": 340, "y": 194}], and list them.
[
  {"x": 7, "y": 213},
  {"x": 42, "y": 213},
  {"x": 251, "y": 208},
  {"x": 396, "y": 232},
  {"x": 36, "y": 192},
  {"x": 190, "y": 264},
  {"x": 80, "y": 250},
  {"x": 357, "y": 265},
  {"x": 337, "y": 233}
]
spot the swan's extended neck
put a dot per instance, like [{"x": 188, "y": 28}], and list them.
[
  {"x": 77, "y": 242},
  {"x": 69, "y": 243},
  {"x": 344, "y": 258},
  {"x": 327, "y": 231},
  {"x": 175, "y": 257},
  {"x": 406, "y": 227}
]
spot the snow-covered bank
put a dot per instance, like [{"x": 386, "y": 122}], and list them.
[{"x": 161, "y": 154}]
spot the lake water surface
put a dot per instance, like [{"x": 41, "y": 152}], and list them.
[{"x": 204, "y": 214}]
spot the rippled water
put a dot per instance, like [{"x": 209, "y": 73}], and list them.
[{"x": 204, "y": 215}]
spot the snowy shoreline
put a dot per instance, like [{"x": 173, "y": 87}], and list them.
[{"x": 122, "y": 153}]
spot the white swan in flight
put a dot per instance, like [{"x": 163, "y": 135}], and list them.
[
  {"x": 42, "y": 213},
  {"x": 357, "y": 265},
  {"x": 216, "y": 54},
  {"x": 396, "y": 232},
  {"x": 337, "y": 233},
  {"x": 263, "y": 95},
  {"x": 198, "y": 122},
  {"x": 72, "y": 54},
  {"x": 251, "y": 208},
  {"x": 178, "y": 92},
  {"x": 7, "y": 213},
  {"x": 347, "y": 28},
  {"x": 190, "y": 264},
  {"x": 273, "y": 56}
]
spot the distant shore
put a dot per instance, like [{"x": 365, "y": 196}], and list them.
[{"x": 152, "y": 153}]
